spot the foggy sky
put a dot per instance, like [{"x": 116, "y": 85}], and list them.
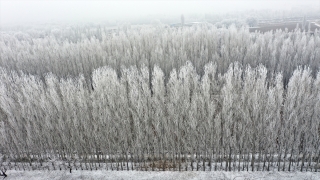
[{"x": 46, "y": 11}]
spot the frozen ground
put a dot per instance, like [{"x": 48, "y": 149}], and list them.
[{"x": 101, "y": 174}]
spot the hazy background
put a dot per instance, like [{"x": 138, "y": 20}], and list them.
[{"x": 16, "y": 12}]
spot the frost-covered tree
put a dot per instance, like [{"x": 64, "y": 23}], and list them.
[
  {"x": 297, "y": 112},
  {"x": 230, "y": 114},
  {"x": 159, "y": 110},
  {"x": 252, "y": 21}
]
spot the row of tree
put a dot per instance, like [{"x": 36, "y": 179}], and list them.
[
  {"x": 238, "y": 112},
  {"x": 81, "y": 50}
]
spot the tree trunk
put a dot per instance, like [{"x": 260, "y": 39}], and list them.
[
  {"x": 290, "y": 159},
  {"x": 302, "y": 161},
  {"x": 229, "y": 158},
  {"x": 279, "y": 159},
  {"x": 253, "y": 156},
  {"x": 318, "y": 160},
  {"x": 284, "y": 159}
]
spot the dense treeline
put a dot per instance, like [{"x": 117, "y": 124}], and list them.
[
  {"x": 156, "y": 90},
  {"x": 74, "y": 51},
  {"x": 239, "y": 112}
]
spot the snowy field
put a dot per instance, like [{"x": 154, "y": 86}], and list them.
[{"x": 37, "y": 175}]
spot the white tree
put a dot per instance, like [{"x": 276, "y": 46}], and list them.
[
  {"x": 230, "y": 120},
  {"x": 297, "y": 112},
  {"x": 159, "y": 111}
]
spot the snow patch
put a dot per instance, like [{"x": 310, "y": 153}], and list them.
[{"x": 101, "y": 174}]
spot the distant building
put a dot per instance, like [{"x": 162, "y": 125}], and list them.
[{"x": 186, "y": 24}]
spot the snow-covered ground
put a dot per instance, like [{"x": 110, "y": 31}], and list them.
[{"x": 100, "y": 174}]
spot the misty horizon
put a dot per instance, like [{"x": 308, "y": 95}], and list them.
[{"x": 19, "y": 12}]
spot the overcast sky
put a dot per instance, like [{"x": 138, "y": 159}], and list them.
[{"x": 48, "y": 10}]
